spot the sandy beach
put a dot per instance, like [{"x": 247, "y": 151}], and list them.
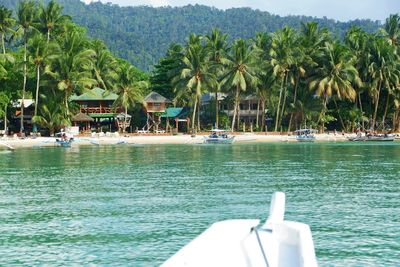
[{"x": 148, "y": 139}]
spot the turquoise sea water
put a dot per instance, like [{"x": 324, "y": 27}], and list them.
[{"x": 137, "y": 205}]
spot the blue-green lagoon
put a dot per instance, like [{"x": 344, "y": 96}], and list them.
[{"x": 137, "y": 205}]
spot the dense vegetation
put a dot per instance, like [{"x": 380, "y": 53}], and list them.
[
  {"x": 47, "y": 57},
  {"x": 306, "y": 76},
  {"x": 143, "y": 34}
]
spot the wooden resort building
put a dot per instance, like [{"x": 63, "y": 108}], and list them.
[
  {"x": 179, "y": 116},
  {"x": 155, "y": 105},
  {"x": 29, "y": 107},
  {"x": 249, "y": 112},
  {"x": 98, "y": 105},
  {"x": 82, "y": 121}
]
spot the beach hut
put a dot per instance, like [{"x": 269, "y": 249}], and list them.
[
  {"x": 179, "y": 115},
  {"x": 29, "y": 107},
  {"x": 154, "y": 104},
  {"x": 82, "y": 120}
]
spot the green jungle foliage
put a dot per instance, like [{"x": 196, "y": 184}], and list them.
[
  {"x": 47, "y": 57},
  {"x": 143, "y": 34},
  {"x": 300, "y": 74}
]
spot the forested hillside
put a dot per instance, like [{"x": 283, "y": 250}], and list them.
[{"x": 143, "y": 34}]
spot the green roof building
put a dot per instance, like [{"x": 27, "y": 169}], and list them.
[{"x": 98, "y": 104}]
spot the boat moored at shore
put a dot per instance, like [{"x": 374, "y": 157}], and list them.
[
  {"x": 372, "y": 137},
  {"x": 306, "y": 135},
  {"x": 219, "y": 136}
]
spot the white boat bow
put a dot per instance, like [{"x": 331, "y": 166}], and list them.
[{"x": 247, "y": 243}]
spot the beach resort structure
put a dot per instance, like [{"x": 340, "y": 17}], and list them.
[
  {"x": 29, "y": 107},
  {"x": 248, "y": 111},
  {"x": 155, "y": 105},
  {"x": 82, "y": 121},
  {"x": 98, "y": 105},
  {"x": 180, "y": 116}
]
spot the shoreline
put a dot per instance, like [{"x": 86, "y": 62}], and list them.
[{"x": 154, "y": 139}]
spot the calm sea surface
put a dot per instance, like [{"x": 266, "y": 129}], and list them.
[{"x": 137, "y": 205}]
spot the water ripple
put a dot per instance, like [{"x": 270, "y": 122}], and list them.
[{"x": 130, "y": 205}]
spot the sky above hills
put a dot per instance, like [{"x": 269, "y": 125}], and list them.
[{"x": 342, "y": 10}]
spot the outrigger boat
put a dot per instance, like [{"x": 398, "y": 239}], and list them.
[
  {"x": 64, "y": 143},
  {"x": 64, "y": 140},
  {"x": 218, "y": 136},
  {"x": 275, "y": 243},
  {"x": 372, "y": 137},
  {"x": 306, "y": 135}
]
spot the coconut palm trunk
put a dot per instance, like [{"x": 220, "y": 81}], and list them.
[
  {"x": 3, "y": 46},
  {"x": 48, "y": 36},
  {"x": 322, "y": 113},
  {"x": 235, "y": 107},
  {"x": 238, "y": 115},
  {"x": 396, "y": 120},
  {"x": 216, "y": 109},
  {"x": 5, "y": 120},
  {"x": 37, "y": 94},
  {"x": 126, "y": 116},
  {"x": 24, "y": 84},
  {"x": 284, "y": 101},
  {"x": 198, "y": 115},
  {"x": 361, "y": 108},
  {"x": 294, "y": 101},
  {"x": 37, "y": 89},
  {"x": 194, "y": 114},
  {"x": 258, "y": 113},
  {"x": 386, "y": 108},
  {"x": 340, "y": 117},
  {"x": 263, "y": 115},
  {"x": 66, "y": 102},
  {"x": 376, "y": 104},
  {"x": 279, "y": 104}
]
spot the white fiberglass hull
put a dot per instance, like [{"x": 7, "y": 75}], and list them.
[
  {"x": 277, "y": 243},
  {"x": 218, "y": 140},
  {"x": 305, "y": 138}
]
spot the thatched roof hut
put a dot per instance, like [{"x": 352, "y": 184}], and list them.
[
  {"x": 81, "y": 117},
  {"x": 154, "y": 102},
  {"x": 82, "y": 120}
]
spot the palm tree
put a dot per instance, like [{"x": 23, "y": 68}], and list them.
[
  {"x": 264, "y": 92},
  {"x": 334, "y": 76},
  {"x": 240, "y": 71},
  {"x": 105, "y": 66},
  {"x": 297, "y": 71},
  {"x": 27, "y": 13},
  {"x": 383, "y": 69},
  {"x": 128, "y": 88},
  {"x": 51, "y": 115},
  {"x": 194, "y": 75},
  {"x": 51, "y": 18},
  {"x": 217, "y": 46},
  {"x": 283, "y": 44},
  {"x": 4, "y": 102},
  {"x": 72, "y": 69},
  {"x": 311, "y": 39},
  {"x": 6, "y": 25},
  {"x": 392, "y": 29},
  {"x": 262, "y": 45},
  {"x": 40, "y": 53},
  {"x": 358, "y": 42}
]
